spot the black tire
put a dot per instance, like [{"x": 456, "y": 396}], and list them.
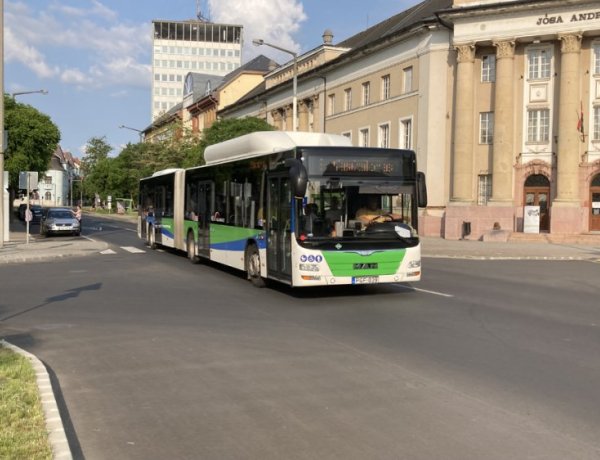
[
  {"x": 191, "y": 249},
  {"x": 252, "y": 262}
]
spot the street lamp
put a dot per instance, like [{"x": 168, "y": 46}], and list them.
[
  {"x": 20, "y": 93},
  {"x": 259, "y": 42},
  {"x": 139, "y": 131}
]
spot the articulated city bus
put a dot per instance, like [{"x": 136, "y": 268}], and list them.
[{"x": 305, "y": 209}]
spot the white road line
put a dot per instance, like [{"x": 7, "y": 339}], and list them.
[
  {"x": 88, "y": 238},
  {"x": 133, "y": 249},
  {"x": 108, "y": 251},
  {"x": 442, "y": 294}
]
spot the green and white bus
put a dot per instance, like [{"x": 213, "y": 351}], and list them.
[{"x": 305, "y": 209}]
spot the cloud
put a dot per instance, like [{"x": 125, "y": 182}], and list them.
[
  {"x": 74, "y": 77},
  {"x": 18, "y": 50},
  {"x": 54, "y": 45},
  {"x": 98, "y": 10},
  {"x": 284, "y": 18}
]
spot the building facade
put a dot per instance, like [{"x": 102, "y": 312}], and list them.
[
  {"x": 55, "y": 187},
  {"x": 500, "y": 100},
  {"x": 180, "y": 47},
  {"x": 527, "y": 116}
]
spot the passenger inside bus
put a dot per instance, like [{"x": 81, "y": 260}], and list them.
[{"x": 313, "y": 223}]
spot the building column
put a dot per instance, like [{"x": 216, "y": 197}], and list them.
[
  {"x": 303, "y": 106},
  {"x": 462, "y": 174},
  {"x": 502, "y": 164},
  {"x": 565, "y": 211},
  {"x": 277, "y": 118},
  {"x": 569, "y": 108}
]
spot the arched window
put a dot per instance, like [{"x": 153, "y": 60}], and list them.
[
  {"x": 595, "y": 181},
  {"x": 537, "y": 180}
]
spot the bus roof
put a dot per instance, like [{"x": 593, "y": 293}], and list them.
[{"x": 265, "y": 142}]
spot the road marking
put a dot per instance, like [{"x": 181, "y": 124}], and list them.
[
  {"x": 108, "y": 251},
  {"x": 88, "y": 238},
  {"x": 133, "y": 249},
  {"x": 426, "y": 291}
]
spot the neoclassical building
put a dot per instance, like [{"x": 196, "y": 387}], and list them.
[
  {"x": 500, "y": 100},
  {"x": 526, "y": 110}
]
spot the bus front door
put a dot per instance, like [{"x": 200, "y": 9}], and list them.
[
  {"x": 279, "y": 228},
  {"x": 205, "y": 198}
]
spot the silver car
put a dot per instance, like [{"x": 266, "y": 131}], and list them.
[{"x": 59, "y": 221}]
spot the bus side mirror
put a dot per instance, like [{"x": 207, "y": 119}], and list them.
[
  {"x": 421, "y": 190},
  {"x": 298, "y": 177}
]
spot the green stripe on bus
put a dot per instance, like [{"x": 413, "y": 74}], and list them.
[
  {"x": 226, "y": 233},
  {"x": 343, "y": 263}
]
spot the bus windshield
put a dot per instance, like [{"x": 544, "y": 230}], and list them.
[{"x": 355, "y": 208}]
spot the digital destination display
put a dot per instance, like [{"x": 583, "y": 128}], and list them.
[{"x": 389, "y": 165}]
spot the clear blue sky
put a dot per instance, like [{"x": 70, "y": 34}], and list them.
[{"x": 94, "y": 56}]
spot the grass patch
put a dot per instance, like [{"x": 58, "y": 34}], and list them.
[{"x": 22, "y": 425}]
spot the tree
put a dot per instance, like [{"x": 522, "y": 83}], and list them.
[
  {"x": 96, "y": 150},
  {"x": 229, "y": 128},
  {"x": 223, "y": 130},
  {"x": 95, "y": 166},
  {"x": 32, "y": 139}
]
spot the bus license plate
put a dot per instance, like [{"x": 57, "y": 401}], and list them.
[{"x": 365, "y": 279}]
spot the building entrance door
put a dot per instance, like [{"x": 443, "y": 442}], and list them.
[
  {"x": 595, "y": 204},
  {"x": 537, "y": 193}
]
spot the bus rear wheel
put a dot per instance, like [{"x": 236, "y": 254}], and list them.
[
  {"x": 253, "y": 266},
  {"x": 191, "y": 249}
]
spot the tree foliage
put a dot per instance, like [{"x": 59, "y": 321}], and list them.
[
  {"x": 119, "y": 176},
  {"x": 32, "y": 139},
  {"x": 230, "y": 128}
]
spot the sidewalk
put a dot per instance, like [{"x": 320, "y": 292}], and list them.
[
  {"x": 39, "y": 248},
  {"x": 521, "y": 249}
]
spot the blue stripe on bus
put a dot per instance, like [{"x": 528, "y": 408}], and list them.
[{"x": 167, "y": 233}]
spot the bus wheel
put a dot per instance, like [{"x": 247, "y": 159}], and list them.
[
  {"x": 253, "y": 266},
  {"x": 191, "y": 249},
  {"x": 151, "y": 237}
]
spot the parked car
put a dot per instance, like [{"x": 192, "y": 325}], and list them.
[
  {"x": 59, "y": 221},
  {"x": 36, "y": 212}
]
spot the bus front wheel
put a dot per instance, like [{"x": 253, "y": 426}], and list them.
[
  {"x": 191, "y": 249},
  {"x": 253, "y": 266},
  {"x": 151, "y": 237}
]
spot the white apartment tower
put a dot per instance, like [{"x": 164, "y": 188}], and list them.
[{"x": 180, "y": 47}]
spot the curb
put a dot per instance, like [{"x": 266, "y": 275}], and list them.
[{"x": 54, "y": 425}]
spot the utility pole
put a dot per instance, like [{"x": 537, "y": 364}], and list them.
[{"x": 2, "y": 146}]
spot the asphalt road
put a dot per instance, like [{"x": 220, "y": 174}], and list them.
[{"x": 156, "y": 358}]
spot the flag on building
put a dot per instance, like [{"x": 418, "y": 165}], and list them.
[{"x": 580, "y": 123}]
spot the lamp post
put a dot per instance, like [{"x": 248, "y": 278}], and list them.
[
  {"x": 2, "y": 210},
  {"x": 20, "y": 93},
  {"x": 259, "y": 42},
  {"x": 139, "y": 131}
]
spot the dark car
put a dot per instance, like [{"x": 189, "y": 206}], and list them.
[
  {"x": 60, "y": 221},
  {"x": 36, "y": 212}
]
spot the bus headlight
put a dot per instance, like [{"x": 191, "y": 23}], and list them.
[
  {"x": 414, "y": 264},
  {"x": 309, "y": 267}
]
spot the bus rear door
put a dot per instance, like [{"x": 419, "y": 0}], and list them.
[{"x": 205, "y": 200}]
